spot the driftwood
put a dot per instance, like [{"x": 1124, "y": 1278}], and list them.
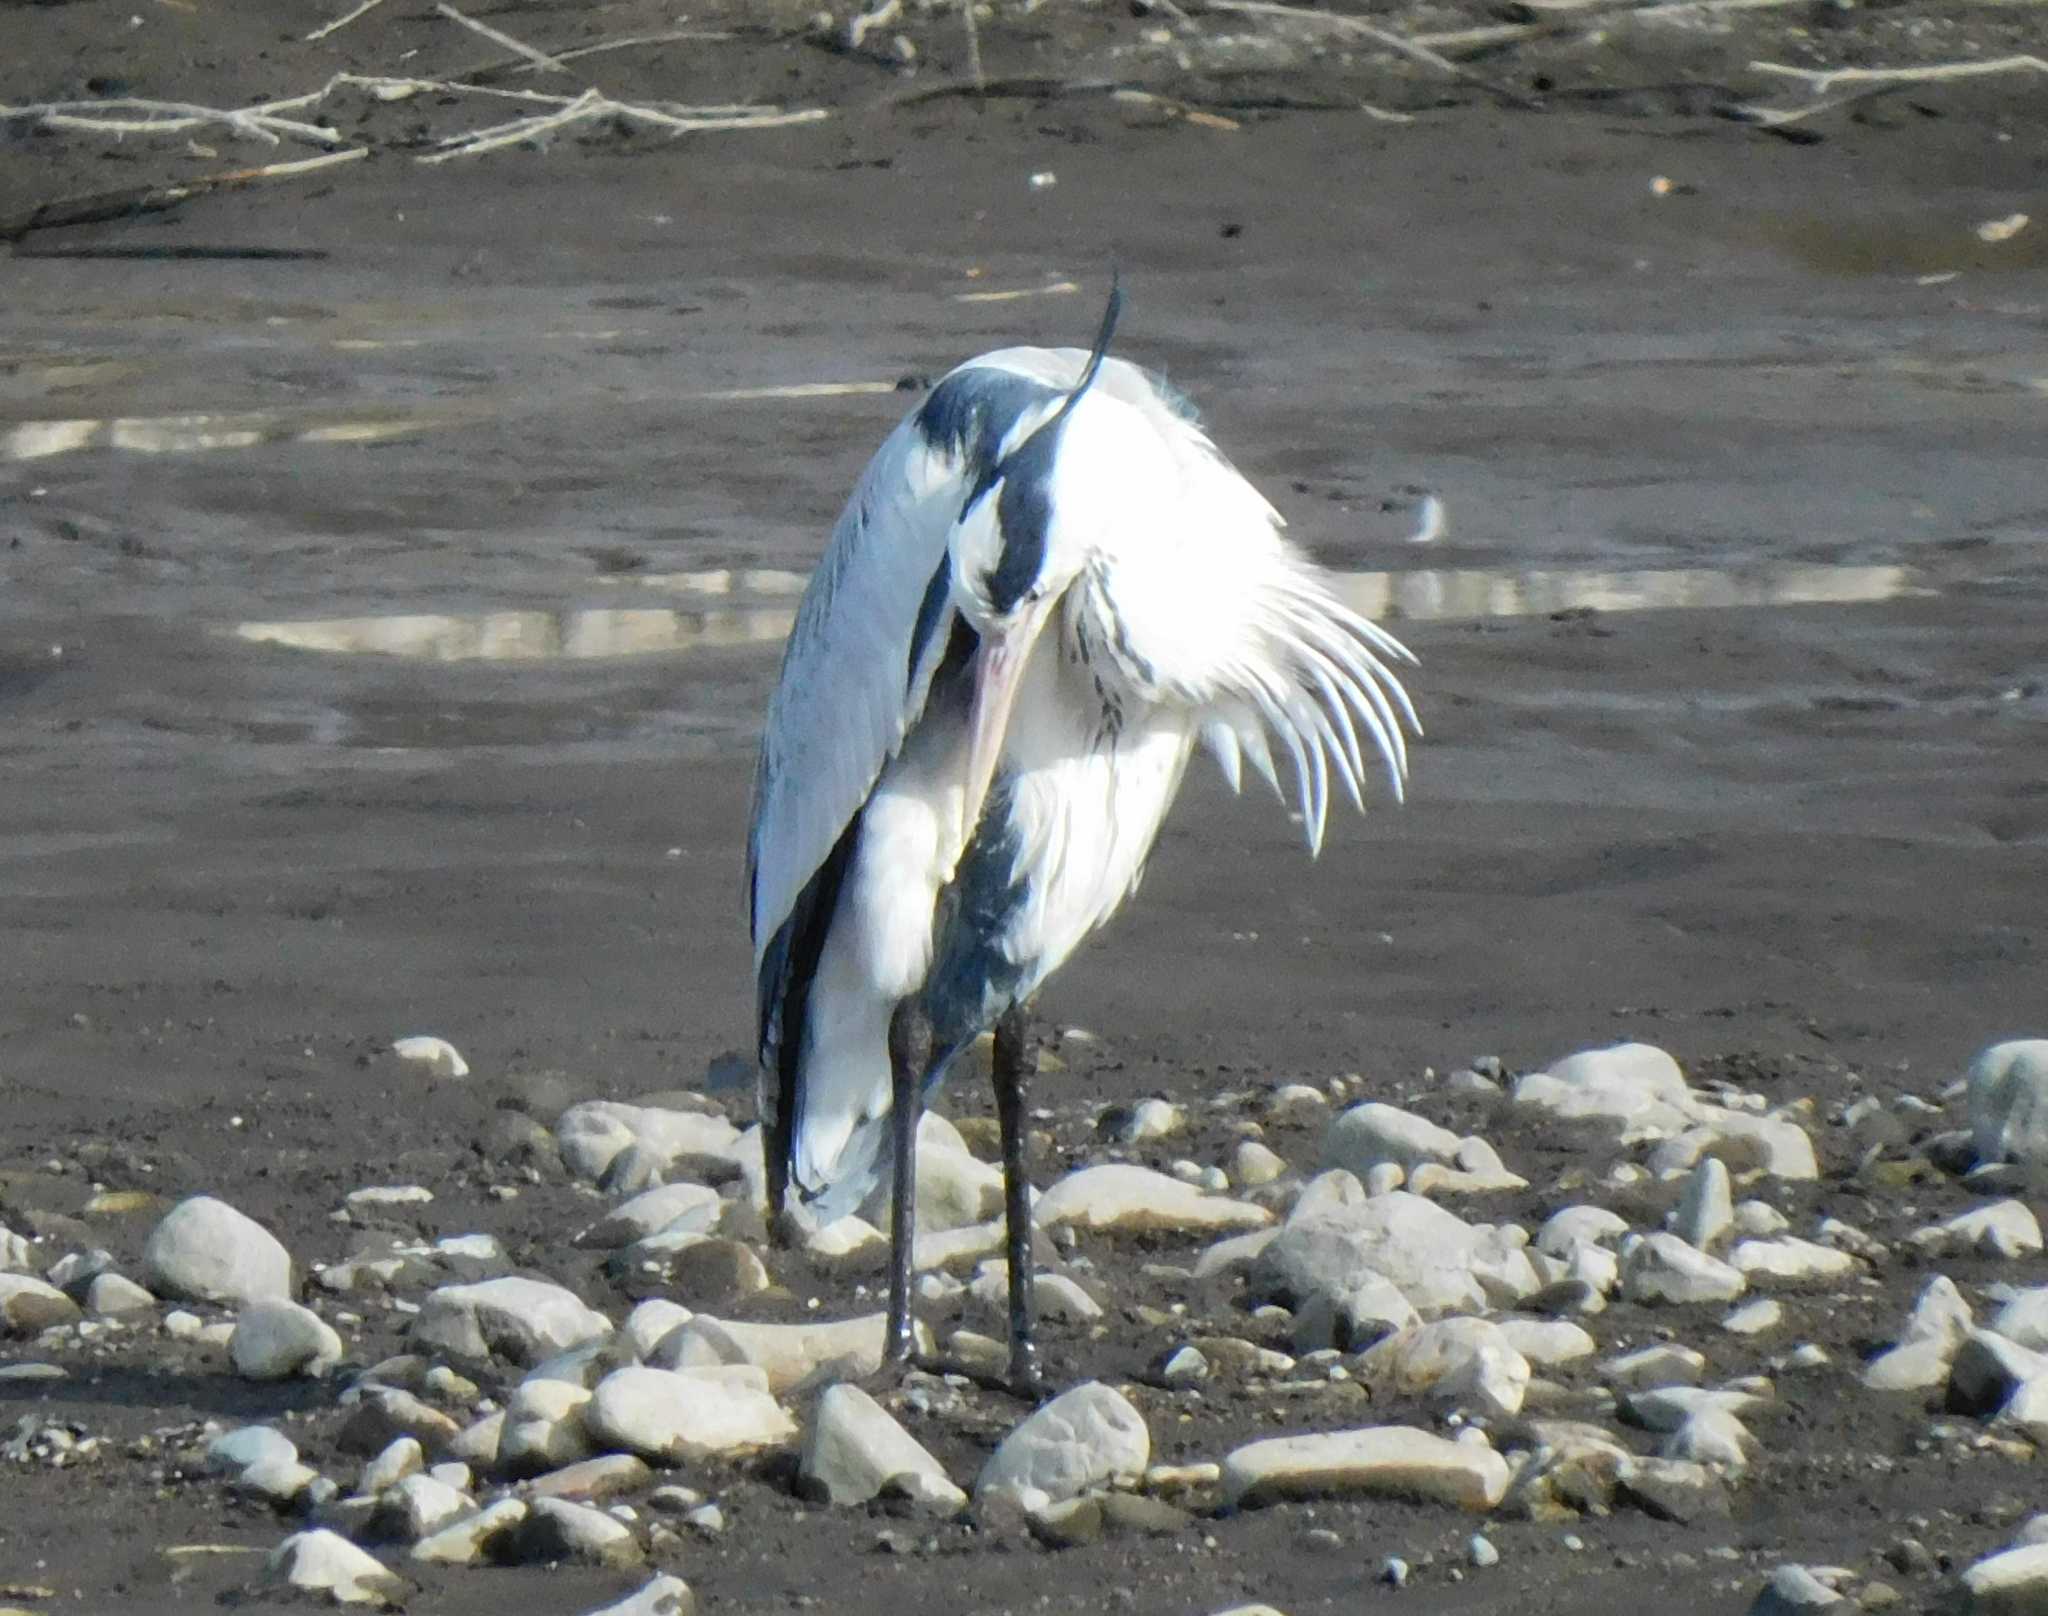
[
  {"x": 96, "y": 207},
  {"x": 342, "y": 22},
  {"x": 594, "y": 104}
]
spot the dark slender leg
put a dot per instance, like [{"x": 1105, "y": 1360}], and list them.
[
  {"x": 776, "y": 1151},
  {"x": 1012, "y": 1065},
  {"x": 910, "y": 1053}
]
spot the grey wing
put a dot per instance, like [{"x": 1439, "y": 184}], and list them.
[{"x": 855, "y": 672}]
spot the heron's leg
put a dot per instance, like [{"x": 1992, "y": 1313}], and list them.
[
  {"x": 910, "y": 1053},
  {"x": 776, "y": 1151},
  {"x": 1012, "y": 1057}
]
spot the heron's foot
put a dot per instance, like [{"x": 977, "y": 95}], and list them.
[
  {"x": 899, "y": 1351},
  {"x": 1027, "y": 1378}
]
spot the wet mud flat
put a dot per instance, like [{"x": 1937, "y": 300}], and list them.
[{"x": 386, "y": 628}]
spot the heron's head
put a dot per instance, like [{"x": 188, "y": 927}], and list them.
[{"x": 1015, "y": 552}]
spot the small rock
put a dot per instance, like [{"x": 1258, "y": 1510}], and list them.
[
  {"x": 1376, "y": 1461},
  {"x": 28, "y": 1306},
  {"x": 1253, "y": 1164},
  {"x": 1755, "y": 1318},
  {"x": 1054, "y": 1296},
  {"x": 1790, "y": 1259},
  {"x": 1671, "y": 1490},
  {"x": 274, "y": 1340},
  {"x": 327, "y": 1563},
  {"x": 1465, "y": 1360},
  {"x": 1088, "y": 1437},
  {"x": 1121, "y": 1196},
  {"x": 1151, "y": 1119},
  {"x": 2012, "y": 1583},
  {"x": 544, "y": 1427},
  {"x": 1547, "y": 1342},
  {"x": 788, "y": 1354},
  {"x": 247, "y": 1445},
  {"x": 854, "y": 1446},
  {"x": 399, "y": 1459},
  {"x": 380, "y": 1197},
  {"x": 846, "y": 1237},
  {"x": 2002, "y": 1229},
  {"x": 668, "y": 1416},
  {"x": 591, "y": 1481},
  {"x": 1772, "y": 1145},
  {"x": 434, "y": 1056},
  {"x": 649, "y": 1323},
  {"x": 1337, "y": 1241},
  {"x": 1712, "y": 1437},
  {"x": 693, "y": 1207},
  {"x": 1987, "y": 1370},
  {"x": 664, "y": 1596},
  {"x": 1574, "y": 1226},
  {"x": 1364, "y": 1136},
  {"x": 1666, "y": 1408},
  {"x": 521, "y": 1321},
  {"x": 473, "y": 1538},
  {"x": 380, "y": 1417},
  {"x": 692, "y": 1143},
  {"x": 1633, "y": 1083},
  {"x": 1793, "y": 1589},
  {"x": 1181, "y": 1366},
  {"x": 1481, "y": 1552},
  {"x": 1664, "y": 1268},
  {"x": 204, "y": 1250},
  {"x": 2008, "y": 1094},
  {"x": 557, "y": 1531},
  {"x": 1934, "y": 1330},
  {"x": 115, "y": 1296},
  {"x": 1706, "y": 1212},
  {"x": 417, "y": 1506},
  {"x": 1759, "y": 1220}
]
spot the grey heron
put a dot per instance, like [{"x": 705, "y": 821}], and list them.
[{"x": 1048, "y": 588}]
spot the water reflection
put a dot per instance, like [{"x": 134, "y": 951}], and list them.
[
  {"x": 1472, "y": 592},
  {"x": 527, "y": 636},
  {"x": 245, "y": 429},
  {"x": 763, "y": 616},
  {"x": 189, "y": 434}
]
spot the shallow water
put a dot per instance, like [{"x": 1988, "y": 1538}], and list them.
[{"x": 1421, "y": 595}]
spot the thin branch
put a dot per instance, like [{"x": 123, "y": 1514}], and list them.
[
  {"x": 342, "y": 22},
  {"x": 1783, "y": 117},
  {"x": 973, "y": 46},
  {"x": 593, "y": 104},
  {"x": 538, "y": 58},
  {"x": 1821, "y": 80},
  {"x": 99, "y": 206},
  {"x": 1379, "y": 36},
  {"x": 632, "y": 40},
  {"x": 172, "y": 117}
]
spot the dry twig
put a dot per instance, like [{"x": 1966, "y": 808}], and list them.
[
  {"x": 973, "y": 46},
  {"x": 1864, "y": 83},
  {"x": 342, "y": 22},
  {"x": 538, "y": 58},
  {"x": 1820, "y": 80},
  {"x": 595, "y": 104},
  {"x": 99, "y": 206},
  {"x": 172, "y": 117}
]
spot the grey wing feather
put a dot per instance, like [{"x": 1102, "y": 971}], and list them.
[{"x": 848, "y": 693}]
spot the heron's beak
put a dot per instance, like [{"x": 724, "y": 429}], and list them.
[{"x": 998, "y": 674}]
